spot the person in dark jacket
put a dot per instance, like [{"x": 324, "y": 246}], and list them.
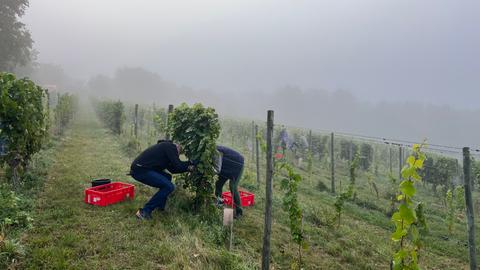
[
  {"x": 230, "y": 168},
  {"x": 149, "y": 168}
]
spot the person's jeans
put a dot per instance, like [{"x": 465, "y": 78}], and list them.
[
  {"x": 233, "y": 183},
  {"x": 155, "y": 179}
]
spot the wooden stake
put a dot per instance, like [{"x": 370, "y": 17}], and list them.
[
  {"x": 170, "y": 110},
  {"x": 332, "y": 159},
  {"x": 135, "y": 122},
  {"x": 469, "y": 204},
  {"x": 257, "y": 152},
  {"x": 253, "y": 141},
  {"x": 400, "y": 163},
  {"x": 268, "y": 195},
  {"x": 390, "y": 157}
]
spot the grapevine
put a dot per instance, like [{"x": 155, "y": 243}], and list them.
[
  {"x": 290, "y": 204},
  {"x": 347, "y": 194},
  {"x": 409, "y": 221},
  {"x": 196, "y": 129},
  {"x": 23, "y": 122}
]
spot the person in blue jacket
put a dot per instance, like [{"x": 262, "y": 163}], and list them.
[
  {"x": 230, "y": 168},
  {"x": 149, "y": 168}
]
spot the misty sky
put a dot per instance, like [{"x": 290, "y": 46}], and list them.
[{"x": 417, "y": 50}]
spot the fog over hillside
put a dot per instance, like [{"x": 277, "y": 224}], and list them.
[
  {"x": 401, "y": 69},
  {"x": 337, "y": 110}
]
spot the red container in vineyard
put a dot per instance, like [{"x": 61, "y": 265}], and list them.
[
  {"x": 107, "y": 194},
  {"x": 246, "y": 198}
]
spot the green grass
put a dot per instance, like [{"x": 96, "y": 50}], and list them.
[{"x": 69, "y": 234}]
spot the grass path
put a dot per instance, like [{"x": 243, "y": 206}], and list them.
[{"x": 69, "y": 234}]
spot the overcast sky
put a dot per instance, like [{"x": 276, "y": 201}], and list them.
[{"x": 417, "y": 50}]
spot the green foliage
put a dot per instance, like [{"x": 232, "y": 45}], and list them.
[
  {"x": 238, "y": 133},
  {"x": 319, "y": 145},
  {"x": 10, "y": 250},
  {"x": 459, "y": 194},
  {"x": 348, "y": 149},
  {"x": 132, "y": 148},
  {"x": 450, "y": 210},
  {"x": 349, "y": 193},
  {"x": 11, "y": 213},
  {"x": 439, "y": 172},
  {"x": 290, "y": 204},
  {"x": 112, "y": 114},
  {"x": 409, "y": 221},
  {"x": 310, "y": 164},
  {"x": 372, "y": 184},
  {"x": 64, "y": 111},
  {"x": 366, "y": 156},
  {"x": 16, "y": 42},
  {"x": 455, "y": 201},
  {"x": 159, "y": 120},
  {"x": 196, "y": 129},
  {"x": 23, "y": 124},
  {"x": 475, "y": 172}
]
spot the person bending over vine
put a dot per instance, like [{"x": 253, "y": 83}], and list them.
[
  {"x": 229, "y": 166},
  {"x": 150, "y": 168}
]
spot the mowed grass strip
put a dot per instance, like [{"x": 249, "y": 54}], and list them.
[{"x": 70, "y": 234}]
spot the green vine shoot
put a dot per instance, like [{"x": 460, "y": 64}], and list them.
[
  {"x": 410, "y": 223},
  {"x": 349, "y": 193},
  {"x": 289, "y": 184}
]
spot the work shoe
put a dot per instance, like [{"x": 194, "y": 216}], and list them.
[
  {"x": 238, "y": 213},
  {"x": 142, "y": 215},
  {"x": 219, "y": 202}
]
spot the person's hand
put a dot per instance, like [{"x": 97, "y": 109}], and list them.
[{"x": 194, "y": 162}]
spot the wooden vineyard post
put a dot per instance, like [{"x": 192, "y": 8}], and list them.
[
  {"x": 253, "y": 141},
  {"x": 170, "y": 110},
  {"x": 469, "y": 204},
  {"x": 400, "y": 162},
  {"x": 332, "y": 161},
  {"x": 57, "y": 121},
  {"x": 268, "y": 195},
  {"x": 310, "y": 156},
  {"x": 135, "y": 122},
  {"x": 257, "y": 153},
  {"x": 350, "y": 153},
  {"x": 390, "y": 156},
  {"x": 148, "y": 119},
  {"x": 48, "y": 100}
]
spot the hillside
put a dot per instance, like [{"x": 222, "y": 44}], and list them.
[{"x": 69, "y": 234}]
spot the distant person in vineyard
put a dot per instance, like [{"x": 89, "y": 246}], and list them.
[
  {"x": 229, "y": 166},
  {"x": 149, "y": 168},
  {"x": 284, "y": 140}
]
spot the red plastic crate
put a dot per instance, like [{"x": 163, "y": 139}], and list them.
[
  {"x": 107, "y": 194},
  {"x": 246, "y": 198}
]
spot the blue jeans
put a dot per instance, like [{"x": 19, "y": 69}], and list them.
[{"x": 160, "y": 180}]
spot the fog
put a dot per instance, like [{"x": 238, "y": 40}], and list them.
[{"x": 402, "y": 69}]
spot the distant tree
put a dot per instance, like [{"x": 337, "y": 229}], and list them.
[
  {"x": 439, "y": 172},
  {"x": 100, "y": 85},
  {"x": 15, "y": 40}
]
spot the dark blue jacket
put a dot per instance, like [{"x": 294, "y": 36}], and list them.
[
  {"x": 232, "y": 162},
  {"x": 159, "y": 157}
]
